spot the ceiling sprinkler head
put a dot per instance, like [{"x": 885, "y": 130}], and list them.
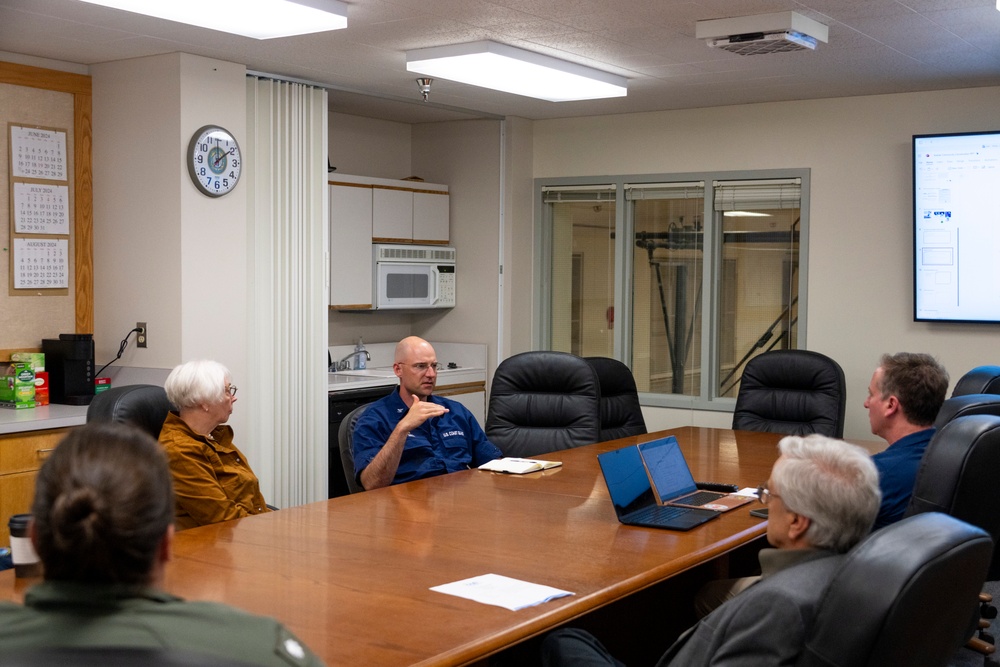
[{"x": 425, "y": 87}]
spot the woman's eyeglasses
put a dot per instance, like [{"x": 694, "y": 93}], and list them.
[
  {"x": 765, "y": 495},
  {"x": 231, "y": 389}
]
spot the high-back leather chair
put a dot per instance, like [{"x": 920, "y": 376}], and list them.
[
  {"x": 980, "y": 380},
  {"x": 345, "y": 437},
  {"x": 542, "y": 402},
  {"x": 621, "y": 414},
  {"x": 142, "y": 405},
  {"x": 968, "y": 404},
  {"x": 795, "y": 392},
  {"x": 957, "y": 475},
  {"x": 902, "y": 597}
]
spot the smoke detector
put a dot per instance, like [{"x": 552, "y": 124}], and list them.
[{"x": 764, "y": 33}]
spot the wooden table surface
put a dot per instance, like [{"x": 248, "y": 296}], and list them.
[{"x": 351, "y": 576}]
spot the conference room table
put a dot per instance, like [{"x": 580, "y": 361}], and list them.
[{"x": 351, "y": 576}]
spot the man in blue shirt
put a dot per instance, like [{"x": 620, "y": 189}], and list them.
[
  {"x": 904, "y": 397},
  {"x": 411, "y": 434}
]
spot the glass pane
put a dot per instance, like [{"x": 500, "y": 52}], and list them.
[
  {"x": 583, "y": 277},
  {"x": 758, "y": 290},
  {"x": 667, "y": 295}
]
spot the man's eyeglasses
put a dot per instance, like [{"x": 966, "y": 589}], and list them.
[
  {"x": 765, "y": 495},
  {"x": 423, "y": 368},
  {"x": 231, "y": 389}
]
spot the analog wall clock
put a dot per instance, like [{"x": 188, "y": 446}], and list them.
[{"x": 214, "y": 160}]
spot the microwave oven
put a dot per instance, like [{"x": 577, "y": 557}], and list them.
[{"x": 413, "y": 276}]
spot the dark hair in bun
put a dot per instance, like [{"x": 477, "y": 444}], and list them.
[{"x": 103, "y": 502}]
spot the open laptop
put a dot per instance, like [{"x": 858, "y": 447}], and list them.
[
  {"x": 673, "y": 482},
  {"x": 634, "y": 498}
]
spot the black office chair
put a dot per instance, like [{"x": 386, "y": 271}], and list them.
[
  {"x": 621, "y": 414},
  {"x": 142, "y": 405},
  {"x": 542, "y": 402},
  {"x": 345, "y": 437},
  {"x": 968, "y": 404},
  {"x": 980, "y": 380},
  {"x": 957, "y": 476},
  {"x": 902, "y": 597},
  {"x": 795, "y": 392}
]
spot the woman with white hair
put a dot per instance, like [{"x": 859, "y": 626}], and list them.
[{"x": 212, "y": 480}]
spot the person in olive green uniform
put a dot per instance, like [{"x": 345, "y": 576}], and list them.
[{"x": 103, "y": 529}]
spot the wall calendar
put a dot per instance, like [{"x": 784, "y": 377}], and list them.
[
  {"x": 39, "y": 211},
  {"x": 38, "y": 153},
  {"x": 41, "y": 263}
]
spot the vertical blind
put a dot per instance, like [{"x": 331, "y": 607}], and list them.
[{"x": 288, "y": 287}]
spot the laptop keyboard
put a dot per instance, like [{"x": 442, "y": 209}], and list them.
[
  {"x": 656, "y": 513},
  {"x": 699, "y": 498}
]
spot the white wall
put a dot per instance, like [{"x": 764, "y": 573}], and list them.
[
  {"x": 380, "y": 149},
  {"x": 137, "y": 208},
  {"x": 164, "y": 253},
  {"x": 465, "y": 155},
  {"x": 858, "y": 150},
  {"x": 518, "y": 292},
  {"x": 369, "y": 147}
]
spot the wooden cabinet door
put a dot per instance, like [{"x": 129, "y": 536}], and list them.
[{"x": 21, "y": 455}]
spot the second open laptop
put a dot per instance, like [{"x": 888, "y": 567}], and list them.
[
  {"x": 634, "y": 498},
  {"x": 672, "y": 480}
]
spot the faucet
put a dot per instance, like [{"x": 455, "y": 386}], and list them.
[{"x": 345, "y": 363}]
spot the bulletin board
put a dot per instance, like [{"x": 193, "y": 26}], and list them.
[{"x": 46, "y": 206}]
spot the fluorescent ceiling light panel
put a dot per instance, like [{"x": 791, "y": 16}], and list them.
[
  {"x": 260, "y": 19},
  {"x": 512, "y": 70}
]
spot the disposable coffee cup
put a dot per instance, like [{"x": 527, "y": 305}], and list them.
[{"x": 26, "y": 563}]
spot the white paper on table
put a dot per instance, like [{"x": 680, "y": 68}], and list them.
[
  {"x": 750, "y": 491},
  {"x": 501, "y": 591}
]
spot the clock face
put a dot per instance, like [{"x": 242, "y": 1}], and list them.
[{"x": 214, "y": 160}]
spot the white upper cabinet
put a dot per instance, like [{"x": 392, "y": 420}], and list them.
[
  {"x": 430, "y": 216},
  {"x": 364, "y": 210},
  {"x": 392, "y": 215},
  {"x": 417, "y": 213},
  {"x": 351, "y": 246}
]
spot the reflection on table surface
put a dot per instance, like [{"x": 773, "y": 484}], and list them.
[{"x": 351, "y": 576}]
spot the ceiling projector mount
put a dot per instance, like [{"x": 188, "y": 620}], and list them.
[{"x": 764, "y": 33}]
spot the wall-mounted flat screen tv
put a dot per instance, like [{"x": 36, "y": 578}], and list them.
[{"x": 956, "y": 227}]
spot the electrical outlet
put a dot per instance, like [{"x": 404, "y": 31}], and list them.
[{"x": 140, "y": 338}]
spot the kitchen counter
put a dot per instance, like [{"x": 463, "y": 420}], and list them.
[
  {"x": 469, "y": 360},
  {"x": 345, "y": 381},
  {"x": 42, "y": 418}
]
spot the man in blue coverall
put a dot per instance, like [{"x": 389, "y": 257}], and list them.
[
  {"x": 411, "y": 434},
  {"x": 904, "y": 397}
]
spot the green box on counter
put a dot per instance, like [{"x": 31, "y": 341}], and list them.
[
  {"x": 17, "y": 385},
  {"x": 34, "y": 359}
]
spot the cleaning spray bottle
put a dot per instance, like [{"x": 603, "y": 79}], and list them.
[{"x": 360, "y": 355}]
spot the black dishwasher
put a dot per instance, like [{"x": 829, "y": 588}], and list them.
[{"x": 341, "y": 404}]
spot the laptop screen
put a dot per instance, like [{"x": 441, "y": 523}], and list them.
[
  {"x": 667, "y": 468},
  {"x": 626, "y": 478}
]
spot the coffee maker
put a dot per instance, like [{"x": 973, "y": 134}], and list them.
[{"x": 69, "y": 361}]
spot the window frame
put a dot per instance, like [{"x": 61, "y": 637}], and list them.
[{"x": 711, "y": 268}]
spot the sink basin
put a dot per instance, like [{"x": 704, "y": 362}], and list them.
[{"x": 367, "y": 372}]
